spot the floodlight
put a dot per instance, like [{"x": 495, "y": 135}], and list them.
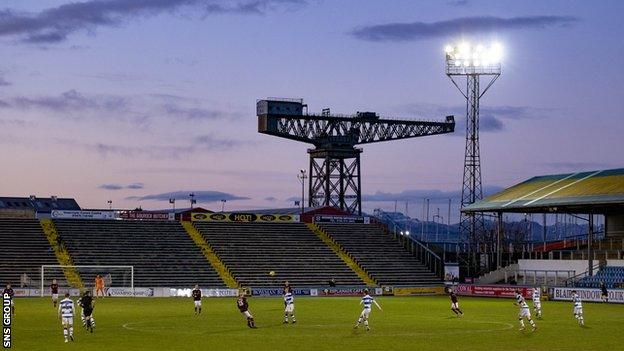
[{"x": 467, "y": 58}]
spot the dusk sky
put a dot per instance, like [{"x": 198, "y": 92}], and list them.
[{"x": 130, "y": 100}]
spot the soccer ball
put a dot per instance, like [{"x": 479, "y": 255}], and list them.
[{"x": 272, "y": 273}]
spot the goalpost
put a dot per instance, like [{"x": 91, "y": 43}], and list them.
[{"x": 114, "y": 276}]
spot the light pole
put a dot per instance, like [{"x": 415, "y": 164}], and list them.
[
  {"x": 440, "y": 218},
  {"x": 172, "y": 202},
  {"x": 302, "y": 177},
  {"x": 110, "y": 204},
  {"x": 223, "y": 201},
  {"x": 427, "y": 222},
  {"x": 192, "y": 199},
  {"x": 472, "y": 61}
]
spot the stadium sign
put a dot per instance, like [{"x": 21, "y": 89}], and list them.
[
  {"x": 143, "y": 215},
  {"x": 490, "y": 290},
  {"x": 220, "y": 292},
  {"x": 62, "y": 214},
  {"x": 594, "y": 295},
  {"x": 243, "y": 217},
  {"x": 277, "y": 291},
  {"x": 352, "y": 291},
  {"x": 126, "y": 292},
  {"x": 418, "y": 290},
  {"x": 341, "y": 219}
]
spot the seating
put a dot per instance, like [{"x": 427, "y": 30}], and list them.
[
  {"x": 24, "y": 250},
  {"x": 162, "y": 253},
  {"x": 611, "y": 276},
  {"x": 252, "y": 250},
  {"x": 383, "y": 257}
]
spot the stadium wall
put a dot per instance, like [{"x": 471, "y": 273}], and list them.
[{"x": 579, "y": 266}]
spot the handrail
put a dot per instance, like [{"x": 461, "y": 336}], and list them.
[
  {"x": 424, "y": 247},
  {"x": 427, "y": 256},
  {"x": 583, "y": 274}
]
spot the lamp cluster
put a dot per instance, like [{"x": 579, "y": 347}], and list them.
[{"x": 466, "y": 54}]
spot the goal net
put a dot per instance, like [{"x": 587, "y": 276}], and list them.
[{"x": 114, "y": 277}]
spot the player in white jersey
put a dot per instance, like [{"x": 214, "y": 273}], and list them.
[
  {"x": 289, "y": 305},
  {"x": 578, "y": 308},
  {"x": 537, "y": 303},
  {"x": 524, "y": 311},
  {"x": 66, "y": 314},
  {"x": 367, "y": 301}
]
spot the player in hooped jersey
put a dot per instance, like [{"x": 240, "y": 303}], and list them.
[
  {"x": 524, "y": 311},
  {"x": 578, "y": 308},
  {"x": 197, "y": 299},
  {"x": 243, "y": 307},
  {"x": 367, "y": 301},
  {"x": 537, "y": 303},
  {"x": 66, "y": 314},
  {"x": 454, "y": 303},
  {"x": 9, "y": 291},
  {"x": 289, "y": 305},
  {"x": 54, "y": 291}
]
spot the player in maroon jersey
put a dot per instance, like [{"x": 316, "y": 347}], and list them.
[
  {"x": 54, "y": 290},
  {"x": 9, "y": 291},
  {"x": 243, "y": 307},
  {"x": 197, "y": 297},
  {"x": 454, "y": 302}
]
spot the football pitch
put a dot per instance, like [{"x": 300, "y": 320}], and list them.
[{"x": 406, "y": 323}]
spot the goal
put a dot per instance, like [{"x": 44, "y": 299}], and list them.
[{"x": 114, "y": 277}]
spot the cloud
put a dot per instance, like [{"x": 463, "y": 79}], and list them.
[
  {"x": 200, "y": 196},
  {"x": 486, "y": 124},
  {"x": 55, "y": 24},
  {"x": 69, "y": 101},
  {"x": 491, "y": 118},
  {"x": 458, "y": 26},
  {"x": 270, "y": 198},
  {"x": 133, "y": 186},
  {"x": 137, "y": 109},
  {"x": 434, "y": 195},
  {"x": 198, "y": 144},
  {"x": 13, "y": 122},
  {"x": 457, "y": 3},
  {"x": 195, "y": 113},
  {"x": 4, "y": 82},
  {"x": 211, "y": 142}
]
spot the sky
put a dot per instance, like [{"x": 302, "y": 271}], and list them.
[{"x": 137, "y": 101}]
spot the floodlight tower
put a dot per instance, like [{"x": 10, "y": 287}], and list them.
[{"x": 469, "y": 61}]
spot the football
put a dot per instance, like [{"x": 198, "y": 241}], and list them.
[{"x": 272, "y": 273}]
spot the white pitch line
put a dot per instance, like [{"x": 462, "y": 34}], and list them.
[
  {"x": 540, "y": 189},
  {"x": 563, "y": 187}
]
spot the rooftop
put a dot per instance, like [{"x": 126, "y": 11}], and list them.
[{"x": 579, "y": 192}]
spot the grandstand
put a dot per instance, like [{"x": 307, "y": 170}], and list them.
[
  {"x": 383, "y": 257},
  {"x": 611, "y": 276},
  {"x": 252, "y": 250},
  {"x": 160, "y": 251},
  {"x": 24, "y": 249}
]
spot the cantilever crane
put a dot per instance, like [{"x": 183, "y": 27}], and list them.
[{"x": 335, "y": 161}]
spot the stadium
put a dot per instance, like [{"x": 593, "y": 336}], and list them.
[{"x": 526, "y": 254}]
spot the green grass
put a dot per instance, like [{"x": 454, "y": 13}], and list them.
[{"x": 406, "y": 323}]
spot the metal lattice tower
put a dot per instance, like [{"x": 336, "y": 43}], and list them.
[
  {"x": 335, "y": 176},
  {"x": 472, "y": 63}
]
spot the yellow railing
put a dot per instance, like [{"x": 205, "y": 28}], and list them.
[
  {"x": 343, "y": 254},
  {"x": 62, "y": 255},
  {"x": 210, "y": 255}
]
